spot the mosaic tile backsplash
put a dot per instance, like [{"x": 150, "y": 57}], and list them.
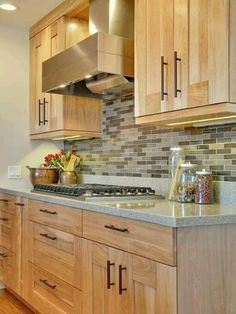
[{"x": 126, "y": 149}]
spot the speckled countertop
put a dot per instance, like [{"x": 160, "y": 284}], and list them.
[{"x": 154, "y": 211}]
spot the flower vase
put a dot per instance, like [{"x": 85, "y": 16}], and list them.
[{"x": 68, "y": 177}]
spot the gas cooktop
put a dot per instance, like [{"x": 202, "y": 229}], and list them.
[{"x": 92, "y": 191}]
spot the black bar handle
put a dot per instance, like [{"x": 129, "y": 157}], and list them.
[
  {"x": 3, "y": 255},
  {"x": 176, "y": 59},
  {"x": 20, "y": 204},
  {"x": 44, "y": 111},
  {"x": 121, "y": 289},
  {"x": 44, "y": 281},
  {"x": 4, "y": 219},
  {"x": 45, "y": 235},
  {"x": 40, "y": 104},
  {"x": 112, "y": 227},
  {"x": 4, "y": 200},
  {"x": 48, "y": 212},
  {"x": 109, "y": 283},
  {"x": 163, "y": 93}
]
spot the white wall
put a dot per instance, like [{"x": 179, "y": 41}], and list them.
[{"x": 15, "y": 146}]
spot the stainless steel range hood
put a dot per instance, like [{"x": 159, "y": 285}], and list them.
[{"x": 102, "y": 65}]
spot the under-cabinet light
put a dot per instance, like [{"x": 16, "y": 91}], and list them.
[
  {"x": 7, "y": 7},
  {"x": 206, "y": 122}
]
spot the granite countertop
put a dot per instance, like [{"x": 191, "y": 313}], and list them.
[{"x": 158, "y": 211}]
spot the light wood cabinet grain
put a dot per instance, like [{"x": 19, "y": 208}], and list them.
[
  {"x": 11, "y": 241},
  {"x": 149, "y": 240},
  {"x": 199, "y": 51},
  {"x": 65, "y": 115},
  {"x": 64, "y": 218},
  {"x": 117, "y": 282},
  {"x": 55, "y": 251},
  {"x": 49, "y": 294}
]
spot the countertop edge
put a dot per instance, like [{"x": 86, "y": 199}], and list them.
[{"x": 165, "y": 220}]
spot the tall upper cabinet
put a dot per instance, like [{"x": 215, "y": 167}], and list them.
[
  {"x": 185, "y": 59},
  {"x": 56, "y": 116}
]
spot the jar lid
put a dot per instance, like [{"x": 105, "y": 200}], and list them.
[
  {"x": 188, "y": 165},
  {"x": 203, "y": 172},
  {"x": 176, "y": 149}
]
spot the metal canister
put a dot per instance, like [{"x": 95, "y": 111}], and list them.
[{"x": 204, "y": 187}]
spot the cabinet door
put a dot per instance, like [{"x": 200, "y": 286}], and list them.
[
  {"x": 39, "y": 102},
  {"x": 154, "y": 287},
  {"x": 103, "y": 280},
  {"x": 154, "y": 56},
  {"x": 121, "y": 283},
  {"x": 201, "y": 44},
  {"x": 57, "y": 41}
]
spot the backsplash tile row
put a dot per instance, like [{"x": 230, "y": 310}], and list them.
[{"x": 126, "y": 149}]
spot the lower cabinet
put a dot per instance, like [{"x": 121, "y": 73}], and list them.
[
  {"x": 122, "y": 283},
  {"x": 51, "y": 295},
  {"x": 10, "y": 242}
]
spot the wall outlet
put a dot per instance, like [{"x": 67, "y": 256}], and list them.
[{"x": 14, "y": 172}]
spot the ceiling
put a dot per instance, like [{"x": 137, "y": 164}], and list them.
[{"x": 28, "y": 12}]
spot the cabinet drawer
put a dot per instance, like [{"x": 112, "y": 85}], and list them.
[
  {"x": 7, "y": 203},
  {"x": 7, "y": 231},
  {"x": 149, "y": 240},
  {"x": 51, "y": 295},
  {"x": 57, "y": 252},
  {"x": 9, "y": 269},
  {"x": 61, "y": 217}
]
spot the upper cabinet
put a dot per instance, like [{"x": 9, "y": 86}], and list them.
[
  {"x": 185, "y": 60},
  {"x": 57, "y": 116}
]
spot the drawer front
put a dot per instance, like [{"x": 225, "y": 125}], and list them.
[
  {"x": 60, "y": 217},
  {"x": 50, "y": 295},
  {"x": 9, "y": 269},
  {"x": 6, "y": 230},
  {"x": 149, "y": 240},
  {"x": 56, "y": 251},
  {"x": 7, "y": 203}
]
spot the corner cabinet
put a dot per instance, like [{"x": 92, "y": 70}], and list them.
[
  {"x": 185, "y": 59},
  {"x": 56, "y": 116}
]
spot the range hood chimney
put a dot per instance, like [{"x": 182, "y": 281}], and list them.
[{"x": 102, "y": 65}]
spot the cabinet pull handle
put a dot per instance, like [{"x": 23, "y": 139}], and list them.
[
  {"x": 109, "y": 283},
  {"x": 45, "y": 235},
  {"x": 163, "y": 93},
  {"x": 40, "y": 104},
  {"x": 121, "y": 289},
  {"x": 44, "y": 281},
  {"x": 4, "y": 219},
  {"x": 116, "y": 228},
  {"x": 3, "y": 255},
  {"x": 20, "y": 204},
  {"x": 176, "y": 59},
  {"x": 44, "y": 111},
  {"x": 48, "y": 212},
  {"x": 4, "y": 200}
]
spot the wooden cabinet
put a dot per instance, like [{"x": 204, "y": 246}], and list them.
[
  {"x": 185, "y": 59},
  {"x": 149, "y": 240},
  {"x": 10, "y": 241},
  {"x": 56, "y": 116},
  {"x": 40, "y": 102},
  {"x": 118, "y": 282},
  {"x": 49, "y": 294},
  {"x": 64, "y": 218},
  {"x": 52, "y": 257}
]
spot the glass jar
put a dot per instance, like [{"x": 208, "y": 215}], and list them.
[
  {"x": 204, "y": 187},
  {"x": 176, "y": 156},
  {"x": 185, "y": 188}
]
